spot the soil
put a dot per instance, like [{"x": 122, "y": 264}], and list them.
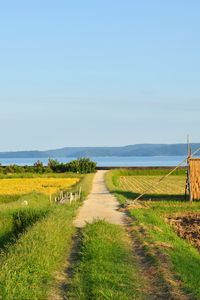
[{"x": 187, "y": 226}]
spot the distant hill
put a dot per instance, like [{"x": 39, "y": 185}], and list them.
[
  {"x": 23, "y": 154},
  {"x": 131, "y": 150}
]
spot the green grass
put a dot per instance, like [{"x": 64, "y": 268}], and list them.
[
  {"x": 112, "y": 182},
  {"x": 8, "y": 198},
  {"x": 26, "y": 217},
  {"x": 35, "y": 201},
  {"x": 45, "y": 175},
  {"x": 145, "y": 172},
  {"x": 183, "y": 258},
  {"x": 106, "y": 269},
  {"x": 27, "y": 266},
  {"x": 29, "y": 260},
  {"x": 129, "y": 184},
  {"x": 86, "y": 185}
]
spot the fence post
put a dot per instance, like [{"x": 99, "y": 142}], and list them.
[
  {"x": 71, "y": 198},
  {"x": 80, "y": 192}
]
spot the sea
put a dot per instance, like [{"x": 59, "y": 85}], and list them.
[{"x": 111, "y": 161}]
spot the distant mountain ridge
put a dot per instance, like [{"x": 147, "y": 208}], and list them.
[{"x": 130, "y": 150}]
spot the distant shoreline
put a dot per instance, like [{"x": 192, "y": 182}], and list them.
[
  {"x": 106, "y": 162},
  {"x": 137, "y": 150}
]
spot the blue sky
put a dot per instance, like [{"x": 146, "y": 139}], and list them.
[{"x": 98, "y": 73}]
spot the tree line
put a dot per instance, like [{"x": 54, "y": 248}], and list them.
[{"x": 81, "y": 165}]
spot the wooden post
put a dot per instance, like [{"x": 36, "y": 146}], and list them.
[
  {"x": 188, "y": 169},
  {"x": 80, "y": 192},
  {"x": 189, "y": 182},
  {"x": 71, "y": 198}
]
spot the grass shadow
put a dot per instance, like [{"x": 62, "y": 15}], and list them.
[
  {"x": 22, "y": 220},
  {"x": 154, "y": 197},
  {"x": 7, "y": 239}
]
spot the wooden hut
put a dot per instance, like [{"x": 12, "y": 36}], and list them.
[{"x": 194, "y": 178}]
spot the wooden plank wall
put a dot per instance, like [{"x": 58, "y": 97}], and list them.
[{"x": 194, "y": 164}]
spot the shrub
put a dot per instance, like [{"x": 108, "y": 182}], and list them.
[
  {"x": 38, "y": 166},
  {"x": 53, "y": 164},
  {"x": 57, "y": 167},
  {"x": 82, "y": 165}
]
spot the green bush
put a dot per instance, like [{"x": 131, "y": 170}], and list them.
[
  {"x": 38, "y": 166},
  {"x": 53, "y": 164},
  {"x": 82, "y": 165},
  {"x": 57, "y": 167}
]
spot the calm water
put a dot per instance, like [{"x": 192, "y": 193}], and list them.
[{"x": 142, "y": 161}]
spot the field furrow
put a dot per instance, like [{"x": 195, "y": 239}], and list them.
[{"x": 174, "y": 185}]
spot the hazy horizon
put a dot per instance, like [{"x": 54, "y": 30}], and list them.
[{"x": 94, "y": 146}]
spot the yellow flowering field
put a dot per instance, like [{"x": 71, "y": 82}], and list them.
[{"x": 48, "y": 186}]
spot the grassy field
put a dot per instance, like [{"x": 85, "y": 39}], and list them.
[
  {"x": 144, "y": 260},
  {"x": 176, "y": 259},
  {"x": 35, "y": 239},
  {"x": 13, "y": 186},
  {"x": 129, "y": 184},
  {"x": 138, "y": 184},
  {"x": 106, "y": 268}
]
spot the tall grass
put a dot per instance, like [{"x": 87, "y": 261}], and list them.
[
  {"x": 112, "y": 183},
  {"x": 7, "y": 210},
  {"x": 106, "y": 269},
  {"x": 24, "y": 218},
  {"x": 86, "y": 185},
  {"x": 28, "y": 265}
]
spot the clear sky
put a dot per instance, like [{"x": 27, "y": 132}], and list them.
[{"x": 97, "y": 73}]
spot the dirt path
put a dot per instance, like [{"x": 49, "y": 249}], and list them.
[
  {"x": 158, "y": 281},
  {"x": 100, "y": 204}
]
